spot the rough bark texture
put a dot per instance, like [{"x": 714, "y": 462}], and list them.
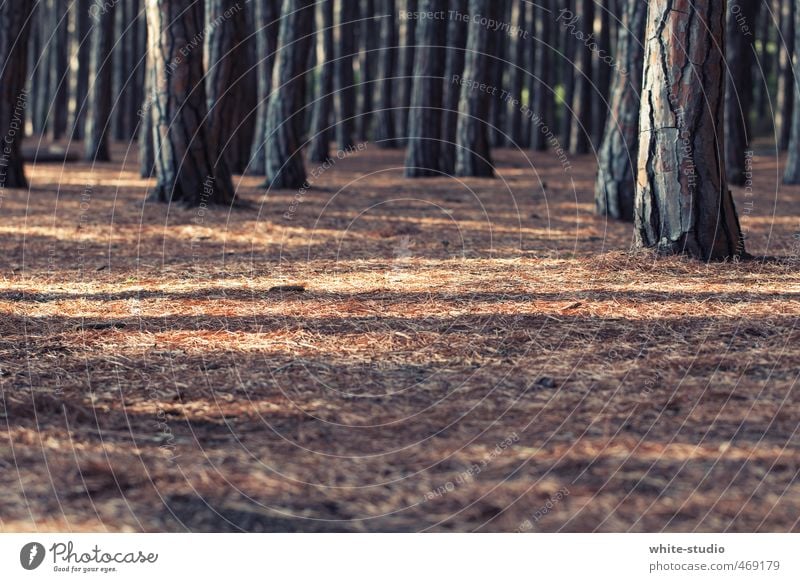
[
  {"x": 454, "y": 67},
  {"x": 683, "y": 204},
  {"x": 425, "y": 117},
  {"x": 98, "y": 106},
  {"x": 615, "y": 189},
  {"x": 739, "y": 93},
  {"x": 346, "y": 51},
  {"x": 384, "y": 124},
  {"x": 284, "y": 158},
  {"x": 15, "y": 18},
  {"x": 580, "y": 141},
  {"x": 186, "y": 154},
  {"x": 319, "y": 149},
  {"x": 792, "y": 174},
  {"x": 265, "y": 13},
  {"x": 473, "y": 157},
  {"x": 784, "y": 105}
]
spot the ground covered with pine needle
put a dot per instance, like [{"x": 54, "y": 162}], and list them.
[{"x": 385, "y": 354}]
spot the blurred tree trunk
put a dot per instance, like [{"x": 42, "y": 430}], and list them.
[
  {"x": 384, "y": 124},
  {"x": 454, "y": 68},
  {"x": 188, "y": 165},
  {"x": 79, "y": 77},
  {"x": 515, "y": 129},
  {"x": 615, "y": 189},
  {"x": 147, "y": 136},
  {"x": 602, "y": 71},
  {"x": 683, "y": 204},
  {"x": 425, "y": 117},
  {"x": 739, "y": 94},
  {"x": 266, "y": 14},
  {"x": 406, "y": 76},
  {"x": 41, "y": 84},
  {"x": 98, "y": 105},
  {"x": 542, "y": 85},
  {"x": 786, "y": 82},
  {"x": 15, "y": 24},
  {"x": 367, "y": 66},
  {"x": 499, "y": 43},
  {"x": 580, "y": 141},
  {"x": 346, "y": 94},
  {"x": 792, "y": 174},
  {"x": 59, "y": 68},
  {"x": 473, "y": 156},
  {"x": 567, "y": 69},
  {"x": 284, "y": 158},
  {"x": 319, "y": 149}
]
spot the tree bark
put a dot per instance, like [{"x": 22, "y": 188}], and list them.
[
  {"x": 367, "y": 66},
  {"x": 683, "y": 204},
  {"x": 425, "y": 118},
  {"x": 98, "y": 106},
  {"x": 454, "y": 68},
  {"x": 189, "y": 169},
  {"x": 346, "y": 51},
  {"x": 515, "y": 129},
  {"x": 406, "y": 77},
  {"x": 602, "y": 71},
  {"x": 792, "y": 173},
  {"x": 542, "y": 86},
  {"x": 284, "y": 158},
  {"x": 59, "y": 69},
  {"x": 580, "y": 138},
  {"x": 79, "y": 76},
  {"x": 785, "y": 99},
  {"x": 473, "y": 156},
  {"x": 266, "y": 14},
  {"x": 615, "y": 189},
  {"x": 319, "y": 149},
  {"x": 15, "y": 21},
  {"x": 147, "y": 137},
  {"x": 739, "y": 94},
  {"x": 567, "y": 70},
  {"x": 384, "y": 124}
]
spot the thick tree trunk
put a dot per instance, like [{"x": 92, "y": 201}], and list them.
[
  {"x": 319, "y": 149},
  {"x": 370, "y": 42},
  {"x": 473, "y": 157},
  {"x": 284, "y": 163},
  {"x": 98, "y": 106},
  {"x": 542, "y": 85},
  {"x": 59, "y": 67},
  {"x": 346, "y": 51},
  {"x": 384, "y": 124},
  {"x": 15, "y": 19},
  {"x": 786, "y": 83},
  {"x": 454, "y": 69},
  {"x": 406, "y": 76},
  {"x": 41, "y": 87},
  {"x": 79, "y": 75},
  {"x": 188, "y": 165},
  {"x": 615, "y": 189},
  {"x": 792, "y": 174},
  {"x": 425, "y": 118},
  {"x": 266, "y": 14},
  {"x": 580, "y": 138},
  {"x": 683, "y": 204},
  {"x": 739, "y": 93},
  {"x": 147, "y": 137}
]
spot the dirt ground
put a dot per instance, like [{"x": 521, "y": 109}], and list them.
[{"x": 384, "y": 354}]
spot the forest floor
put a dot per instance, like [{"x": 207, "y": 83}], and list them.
[{"x": 449, "y": 355}]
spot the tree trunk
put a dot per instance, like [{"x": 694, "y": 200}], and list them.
[
  {"x": 580, "y": 138},
  {"x": 739, "y": 95},
  {"x": 284, "y": 163},
  {"x": 473, "y": 157},
  {"x": 59, "y": 67},
  {"x": 406, "y": 76},
  {"x": 384, "y": 125},
  {"x": 454, "y": 68},
  {"x": 792, "y": 174},
  {"x": 602, "y": 71},
  {"x": 188, "y": 165},
  {"x": 568, "y": 71},
  {"x": 266, "y": 14},
  {"x": 15, "y": 20},
  {"x": 542, "y": 87},
  {"x": 425, "y": 118},
  {"x": 515, "y": 129},
  {"x": 615, "y": 189},
  {"x": 79, "y": 76},
  {"x": 319, "y": 150},
  {"x": 98, "y": 106},
  {"x": 147, "y": 137},
  {"x": 683, "y": 204},
  {"x": 367, "y": 66},
  {"x": 345, "y": 96},
  {"x": 786, "y": 83}
]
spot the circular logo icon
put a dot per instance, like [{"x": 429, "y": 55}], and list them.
[{"x": 32, "y": 555}]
